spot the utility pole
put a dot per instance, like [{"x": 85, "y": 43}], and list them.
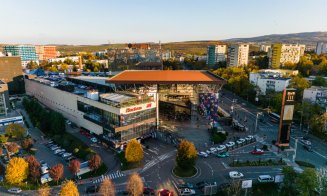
[{"x": 295, "y": 149}]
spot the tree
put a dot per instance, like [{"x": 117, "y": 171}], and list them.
[
  {"x": 56, "y": 172},
  {"x": 74, "y": 166},
  {"x": 307, "y": 181},
  {"x": 289, "y": 65},
  {"x": 44, "y": 190},
  {"x": 186, "y": 155},
  {"x": 135, "y": 185},
  {"x": 300, "y": 84},
  {"x": 32, "y": 65},
  {"x": 16, "y": 171},
  {"x": 107, "y": 187},
  {"x": 53, "y": 69},
  {"x": 64, "y": 67},
  {"x": 27, "y": 143},
  {"x": 12, "y": 147},
  {"x": 319, "y": 81},
  {"x": 289, "y": 182},
  {"x": 134, "y": 151},
  {"x": 57, "y": 125},
  {"x": 95, "y": 162},
  {"x": 15, "y": 131},
  {"x": 69, "y": 189},
  {"x": 34, "y": 167},
  {"x": 235, "y": 188},
  {"x": 3, "y": 139}
]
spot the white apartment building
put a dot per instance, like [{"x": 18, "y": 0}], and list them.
[
  {"x": 269, "y": 81},
  {"x": 279, "y": 54},
  {"x": 264, "y": 47},
  {"x": 62, "y": 59},
  {"x": 321, "y": 48},
  {"x": 220, "y": 53},
  {"x": 316, "y": 94},
  {"x": 237, "y": 55}
]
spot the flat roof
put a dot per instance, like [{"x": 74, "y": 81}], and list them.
[
  {"x": 165, "y": 77},
  {"x": 93, "y": 79}
]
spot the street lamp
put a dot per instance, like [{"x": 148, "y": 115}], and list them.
[{"x": 256, "y": 121}]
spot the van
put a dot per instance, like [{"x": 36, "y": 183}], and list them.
[{"x": 266, "y": 178}]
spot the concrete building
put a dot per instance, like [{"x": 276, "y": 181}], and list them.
[
  {"x": 27, "y": 53},
  {"x": 237, "y": 55},
  {"x": 264, "y": 47},
  {"x": 62, "y": 59},
  {"x": 11, "y": 72},
  {"x": 279, "y": 54},
  {"x": 316, "y": 94},
  {"x": 216, "y": 53},
  {"x": 4, "y": 98},
  {"x": 321, "y": 48},
  {"x": 211, "y": 55},
  {"x": 269, "y": 81},
  {"x": 46, "y": 52}
]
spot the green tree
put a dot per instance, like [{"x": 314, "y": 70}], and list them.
[
  {"x": 289, "y": 186},
  {"x": 32, "y": 65},
  {"x": 53, "y": 69},
  {"x": 319, "y": 81},
  {"x": 3, "y": 139},
  {"x": 134, "y": 151},
  {"x": 15, "y": 131},
  {"x": 305, "y": 66},
  {"x": 289, "y": 65},
  {"x": 307, "y": 181},
  {"x": 322, "y": 68},
  {"x": 299, "y": 84},
  {"x": 186, "y": 155},
  {"x": 57, "y": 125}
]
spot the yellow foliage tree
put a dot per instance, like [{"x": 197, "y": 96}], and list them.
[
  {"x": 15, "y": 131},
  {"x": 16, "y": 171},
  {"x": 135, "y": 185},
  {"x": 69, "y": 189},
  {"x": 134, "y": 151},
  {"x": 107, "y": 187},
  {"x": 44, "y": 190}
]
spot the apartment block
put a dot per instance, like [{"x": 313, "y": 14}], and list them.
[
  {"x": 27, "y": 53},
  {"x": 316, "y": 94},
  {"x": 216, "y": 54},
  {"x": 279, "y": 54},
  {"x": 237, "y": 55},
  {"x": 321, "y": 48},
  {"x": 46, "y": 52}
]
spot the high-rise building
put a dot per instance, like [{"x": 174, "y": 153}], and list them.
[
  {"x": 321, "y": 48},
  {"x": 237, "y": 55},
  {"x": 279, "y": 54},
  {"x": 264, "y": 47},
  {"x": 4, "y": 98},
  {"x": 46, "y": 52},
  {"x": 27, "y": 53},
  {"x": 11, "y": 72},
  {"x": 216, "y": 54}
]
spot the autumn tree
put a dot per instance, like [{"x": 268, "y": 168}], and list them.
[
  {"x": 69, "y": 189},
  {"x": 44, "y": 190},
  {"x": 34, "y": 167},
  {"x": 107, "y": 187},
  {"x": 15, "y": 131},
  {"x": 12, "y": 147},
  {"x": 56, "y": 172},
  {"x": 135, "y": 185},
  {"x": 74, "y": 166},
  {"x": 3, "y": 139},
  {"x": 134, "y": 151},
  {"x": 186, "y": 155},
  {"x": 16, "y": 171},
  {"x": 27, "y": 143},
  {"x": 95, "y": 162}
]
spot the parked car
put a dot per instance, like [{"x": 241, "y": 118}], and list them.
[
  {"x": 94, "y": 140},
  {"x": 44, "y": 170},
  {"x": 306, "y": 142},
  {"x": 230, "y": 144},
  {"x": 203, "y": 154},
  {"x": 92, "y": 189},
  {"x": 208, "y": 152},
  {"x": 222, "y": 155},
  {"x": 201, "y": 184},
  {"x": 55, "y": 147},
  {"x": 186, "y": 191},
  {"x": 59, "y": 150},
  {"x": 221, "y": 147},
  {"x": 148, "y": 191},
  {"x": 257, "y": 152},
  {"x": 165, "y": 192},
  {"x": 67, "y": 154},
  {"x": 212, "y": 150},
  {"x": 240, "y": 141},
  {"x": 235, "y": 174},
  {"x": 45, "y": 178},
  {"x": 308, "y": 148},
  {"x": 266, "y": 178},
  {"x": 14, "y": 190},
  {"x": 186, "y": 185},
  {"x": 61, "y": 153},
  {"x": 249, "y": 138}
]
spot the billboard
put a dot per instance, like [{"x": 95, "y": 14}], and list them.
[{"x": 286, "y": 117}]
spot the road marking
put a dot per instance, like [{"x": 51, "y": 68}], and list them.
[
  {"x": 205, "y": 162},
  {"x": 159, "y": 159},
  {"x": 312, "y": 150}
]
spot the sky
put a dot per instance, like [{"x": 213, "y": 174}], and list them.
[{"x": 124, "y": 21}]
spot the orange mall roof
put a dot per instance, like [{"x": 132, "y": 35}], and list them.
[{"x": 165, "y": 77}]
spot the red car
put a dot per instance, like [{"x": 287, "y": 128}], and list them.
[
  {"x": 257, "y": 152},
  {"x": 165, "y": 192},
  {"x": 148, "y": 191}
]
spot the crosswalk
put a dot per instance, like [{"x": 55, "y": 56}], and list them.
[
  {"x": 157, "y": 160},
  {"x": 111, "y": 176}
]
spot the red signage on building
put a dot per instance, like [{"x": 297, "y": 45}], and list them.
[
  {"x": 149, "y": 105},
  {"x": 133, "y": 109}
]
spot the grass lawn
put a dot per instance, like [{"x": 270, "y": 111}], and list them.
[{"x": 183, "y": 172}]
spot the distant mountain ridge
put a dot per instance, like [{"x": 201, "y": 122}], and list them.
[{"x": 309, "y": 38}]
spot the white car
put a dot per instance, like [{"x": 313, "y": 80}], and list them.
[
  {"x": 240, "y": 141},
  {"x": 221, "y": 147},
  {"x": 208, "y": 152},
  {"x": 67, "y": 154},
  {"x": 94, "y": 140},
  {"x": 212, "y": 150},
  {"x": 59, "y": 150},
  {"x": 235, "y": 174},
  {"x": 249, "y": 138},
  {"x": 203, "y": 154},
  {"x": 54, "y": 147},
  {"x": 230, "y": 144},
  {"x": 186, "y": 191},
  {"x": 14, "y": 190},
  {"x": 44, "y": 170},
  {"x": 306, "y": 142},
  {"x": 43, "y": 163},
  {"x": 45, "y": 178}
]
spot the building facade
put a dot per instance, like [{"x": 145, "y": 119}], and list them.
[
  {"x": 321, "y": 48},
  {"x": 316, "y": 94},
  {"x": 264, "y": 47},
  {"x": 4, "y": 98},
  {"x": 216, "y": 54},
  {"x": 211, "y": 55},
  {"x": 269, "y": 81},
  {"x": 27, "y": 53},
  {"x": 237, "y": 55},
  {"x": 11, "y": 72},
  {"x": 46, "y": 52},
  {"x": 279, "y": 54}
]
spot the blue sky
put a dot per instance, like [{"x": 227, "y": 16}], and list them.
[{"x": 117, "y": 21}]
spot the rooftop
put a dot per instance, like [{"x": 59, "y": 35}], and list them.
[
  {"x": 93, "y": 79},
  {"x": 165, "y": 77}
]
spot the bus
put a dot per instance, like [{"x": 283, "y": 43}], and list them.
[{"x": 274, "y": 117}]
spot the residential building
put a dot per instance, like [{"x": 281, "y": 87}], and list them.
[
  {"x": 269, "y": 81},
  {"x": 27, "y": 53},
  {"x": 62, "y": 59},
  {"x": 316, "y": 94},
  {"x": 279, "y": 54},
  {"x": 216, "y": 53},
  {"x": 4, "y": 98},
  {"x": 11, "y": 72},
  {"x": 237, "y": 55},
  {"x": 264, "y": 47},
  {"x": 321, "y": 48},
  {"x": 46, "y": 52}
]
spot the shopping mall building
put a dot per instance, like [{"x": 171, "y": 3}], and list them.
[{"x": 125, "y": 106}]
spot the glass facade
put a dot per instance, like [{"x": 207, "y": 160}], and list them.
[
  {"x": 137, "y": 117},
  {"x": 136, "y": 132}
]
